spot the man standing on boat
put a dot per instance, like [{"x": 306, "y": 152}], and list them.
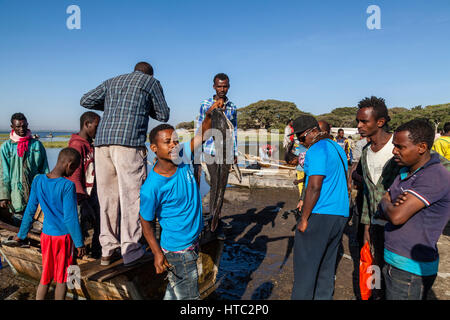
[
  {"x": 121, "y": 156},
  {"x": 221, "y": 86},
  {"x": 22, "y": 158}
]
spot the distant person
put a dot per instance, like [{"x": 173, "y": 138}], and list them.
[
  {"x": 325, "y": 213},
  {"x": 221, "y": 84},
  {"x": 22, "y": 158},
  {"x": 417, "y": 206},
  {"x": 128, "y": 101},
  {"x": 324, "y": 126},
  {"x": 300, "y": 152},
  {"x": 378, "y": 171},
  {"x": 288, "y": 137},
  {"x": 172, "y": 195},
  {"x": 84, "y": 178},
  {"x": 61, "y": 230},
  {"x": 442, "y": 145},
  {"x": 344, "y": 143}
]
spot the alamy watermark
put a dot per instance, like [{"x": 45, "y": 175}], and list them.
[
  {"x": 73, "y": 277},
  {"x": 74, "y": 20},
  {"x": 374, "y": 20}
]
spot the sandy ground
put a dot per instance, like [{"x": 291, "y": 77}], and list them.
[{"x": 257, "y": 259}]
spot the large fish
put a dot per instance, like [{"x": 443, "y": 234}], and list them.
[{"x": 223, "y": 162}]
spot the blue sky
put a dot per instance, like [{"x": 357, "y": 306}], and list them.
[{"x": 318, "y": 54}]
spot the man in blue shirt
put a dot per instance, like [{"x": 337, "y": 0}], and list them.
[
  {"x": 221, "y": 86},
  {"x": 417, "y": 206},
  {"x": 172, "y": 195},
  {"x": 324, "y": 214}
]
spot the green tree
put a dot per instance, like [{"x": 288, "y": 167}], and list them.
[
  {"x": 267, "y": 114},
  {"x": 185, "y": 125}
]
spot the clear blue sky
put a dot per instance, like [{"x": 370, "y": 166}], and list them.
[{"x": 318, "y": 54}]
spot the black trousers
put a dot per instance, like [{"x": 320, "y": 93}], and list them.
[{"x": 315, "y": 252}]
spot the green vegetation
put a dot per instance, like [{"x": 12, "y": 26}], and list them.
[
  {"x": 55, "y": 144},
  {"x": 437, "y": 114},
  {"x": 267, "y": 114},
  {"x": 274, "y": 114},
  {"x": 340, "y": 117},
  {"x": 185, "y": 125}
]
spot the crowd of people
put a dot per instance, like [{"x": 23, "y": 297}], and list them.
[
  {"x": 100, "y": 181},
  {"x": 402, "y": 204}
]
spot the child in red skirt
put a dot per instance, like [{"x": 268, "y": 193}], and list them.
[{"x": 61, "y": 229}]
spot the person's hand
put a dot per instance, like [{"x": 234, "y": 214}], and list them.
[
  {"x": 218, "y": 104},
  {"x": 81, "y": 252},
  {"x": 296, "y": 182},
  {"x": 161, "y": 263},
  {"x": 300, "y": 205},
  {"x": 303, "y": 224},
  {"x": 400, "y": 199},
  {"x": 235, "y": 159},
  {"x": 4, "y": 203},
  {"x": 366, "y": 237}
]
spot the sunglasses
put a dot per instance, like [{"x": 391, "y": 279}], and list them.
[{"x": 303, "y": 137}]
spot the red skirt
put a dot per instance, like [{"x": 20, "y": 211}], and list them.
[{"x": 57, "y": 256}]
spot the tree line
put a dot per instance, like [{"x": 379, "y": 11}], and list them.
[{"x": 274, "y": 114}]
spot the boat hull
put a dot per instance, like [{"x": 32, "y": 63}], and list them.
[{"x": 116, "y": 282}]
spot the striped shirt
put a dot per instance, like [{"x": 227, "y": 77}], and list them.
[
  {"x": 127, "y": 101},
  {"x": 231, "y": 114}
]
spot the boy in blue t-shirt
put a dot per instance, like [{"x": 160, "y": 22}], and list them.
[
  {"x": 417, "y": 206},
  {"x": 61, "y": 229},
  {"x": 170, "y": 193}
]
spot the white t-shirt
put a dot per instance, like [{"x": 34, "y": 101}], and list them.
[
  {"x": 377, "y": 160},
  {"x": 375, "y": 163}
]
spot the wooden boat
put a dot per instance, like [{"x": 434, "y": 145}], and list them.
[
  {"x": 114, "y": 282},
  {"x": 271, "y": 175}
]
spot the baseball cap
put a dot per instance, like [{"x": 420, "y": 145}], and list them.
[{"x": 303, "y": 123}]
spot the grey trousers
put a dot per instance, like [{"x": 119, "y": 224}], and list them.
[
  {"x": 315, "y": 253},
  {"x": 120, "y": 172}
]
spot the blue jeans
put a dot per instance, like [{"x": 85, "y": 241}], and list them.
[
  {"x": 403, "y": 285},
  {"x": 183, "y": 277}
]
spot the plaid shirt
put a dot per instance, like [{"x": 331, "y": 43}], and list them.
[
  {"x": 374, "y": 191},
  {"x": 230, "y": 112},
  {"x": 127, "y": 101}
]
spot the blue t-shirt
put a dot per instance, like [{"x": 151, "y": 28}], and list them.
[
  {"x": 323, "y": 159},
  {"x": 58, "y": 200},
  {"x": 300, "y": 152},
  {"x": 176, "y": 202},
  {"x": 412, "y": 246}
]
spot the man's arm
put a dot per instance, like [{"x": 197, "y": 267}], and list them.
[
  {"x": 161, "y": 111},
  {"x": 404, "y": 207},
  {"x": 71, "y": 215},
  {"x": 312, "y": 194},
  {"x": 161, "y": 263},
  {"x": 95, "y": 99},
  {"x": 28, "y": 215}
]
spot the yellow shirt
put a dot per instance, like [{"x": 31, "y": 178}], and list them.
[{"x": 442, "y": 146}]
